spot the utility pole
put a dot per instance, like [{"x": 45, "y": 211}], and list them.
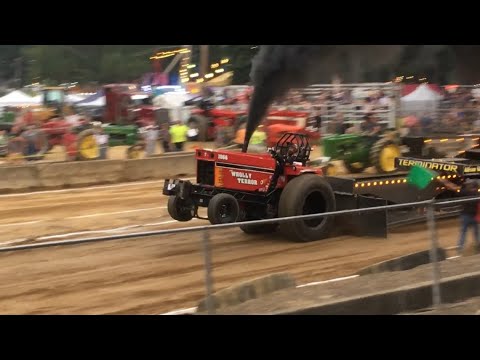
[
  {"x": 204, "y": 60},
  {"x": 18, "y": 71}
]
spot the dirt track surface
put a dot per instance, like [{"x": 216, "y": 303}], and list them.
[
  {"x": 290, "y": 300},
  {"x": 24, "y": 216},
  {"x": 155, "y": 275}
]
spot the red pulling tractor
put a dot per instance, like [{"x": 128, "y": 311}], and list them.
[
  {"x": 237, "y": 186},
  {"x": 277, "y": 123},
  {"x": 207, "y": 119}
]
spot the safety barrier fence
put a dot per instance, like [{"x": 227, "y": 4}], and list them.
[{"x": 428, "y": 205}]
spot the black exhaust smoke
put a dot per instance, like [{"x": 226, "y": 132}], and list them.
[{"x": 275, "y": 70}]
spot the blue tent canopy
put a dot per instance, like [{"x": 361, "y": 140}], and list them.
[{"x": 93, "y": 97}]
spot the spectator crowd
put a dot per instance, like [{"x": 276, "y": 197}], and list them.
[{"x": 339, "y": 110}]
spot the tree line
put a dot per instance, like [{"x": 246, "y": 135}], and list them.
[{"x": 54, "y": 64}]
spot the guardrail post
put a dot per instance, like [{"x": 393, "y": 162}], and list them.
[
  {"x": 208, "y": 272},
  {"x": 434, "y": 253}
]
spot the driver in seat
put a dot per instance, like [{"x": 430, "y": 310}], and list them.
[{"x": 292, "y": 153}]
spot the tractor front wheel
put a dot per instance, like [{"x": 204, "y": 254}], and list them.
[
  {"x": 304, "y": 195},
  {"x": 223, "y": 209},
  {"x": 179, "y": 209}
]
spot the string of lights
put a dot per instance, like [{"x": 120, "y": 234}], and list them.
[
  {"x": 402, "y": 78},
  {"x": 188, "y": 72},
  {"x": 166, "y": 54}
]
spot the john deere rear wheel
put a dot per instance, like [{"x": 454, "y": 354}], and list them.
[
  {"x": 330, "y": 170},
  {"x": 87, "y": 146},
  {"x": 383, "y": 155}
]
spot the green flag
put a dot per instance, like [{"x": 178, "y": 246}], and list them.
[{"x": 421, "y": 177}]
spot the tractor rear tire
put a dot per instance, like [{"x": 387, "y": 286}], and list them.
[
  {"x": 180, "y": 210},
  {"x": 259, "y": 229},
  {"x": 201, "y": 124},
  {"x": 223, "y": 209},
  {"x": 87, "y": 147},
  {"x": 383, "y": 154},
  {"x": 306, "y": 194}
]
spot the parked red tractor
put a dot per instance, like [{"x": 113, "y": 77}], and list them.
[
  {"x": 56, "y": 124},
  {"x": 237, "y": 186},
  {"x": 280, "y": 122},
  {"x": 50, "y": 124},
  {"x": 207, "y": 119}
]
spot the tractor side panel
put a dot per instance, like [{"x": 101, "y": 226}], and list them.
[
  {"x": 260, "y": 162},
  {"x": 242, "y": 180},
  {"x": 297, "y": 170},
  {"x": 121, "y": 134}
]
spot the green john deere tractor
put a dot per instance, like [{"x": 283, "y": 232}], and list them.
[
  {"x": 359, "y": 152},
  {"x": 6, "y": 121},
  {"x": 125, "y": 135}
]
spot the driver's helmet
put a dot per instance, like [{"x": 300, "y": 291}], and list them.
[{"x": 292, "y": 149}]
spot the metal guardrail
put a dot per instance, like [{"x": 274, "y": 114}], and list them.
[{"x": 237, "y": 224}]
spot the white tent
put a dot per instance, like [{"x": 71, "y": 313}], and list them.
[
  {"x": 139, "y": 97},
  {"x": 175, "y": 103},
  {"x": 95, "y": 103},
  {"x": 422, "y": 99},
  {"x": 37, "y": 99},
  {"x": 17, "y": 98},
  {"x": 422, "y": 93},
  {"x": 72, "y": 98},
  {"x": 171, "y": 100}
]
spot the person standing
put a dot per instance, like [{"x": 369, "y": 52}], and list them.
[
  {"x": 468, "y": 215},
  {"x": 165, "y": 137},
  {"x": 151, "y": 138},
  {"x": 178, "y": 134},
  {"x": 240, "y": 135},
  {"x": 258, "y": 141},
  {"x": 3, "y": 143},
  {"x": 102, "y": 142}
]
